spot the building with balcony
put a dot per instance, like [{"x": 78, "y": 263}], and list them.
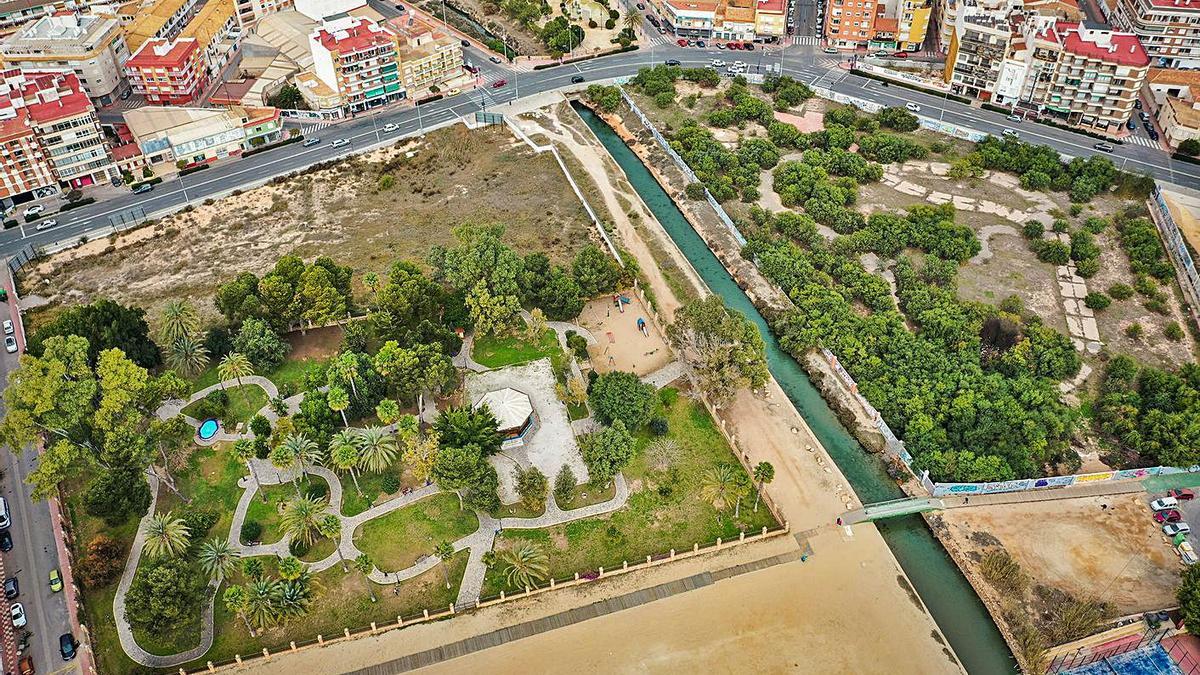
[
  {"x": 217, "y": 31},
  {"x": 16, "y": 13},
  {"x": 912, "y": 19},
  {"x": 771, "y": 18},
  {"x": 687, "y": 18},
  {"x": 93, "y": 47},
  {"x": 978, "y": 45},
  {"x": 427, "y": 56},
  {"x": 851, "y": 23},
  {"x": 359, "y": 60},
  {"x": 163, "y": 19},
  {"x": 1097, "y": 77},
  {"x": 167, "y": 72},
  {"x": 1168, "y": 29},
  {"x": 168, "y": 135},
  {"x": 1180, "y": 120},
  {"x": 51, "y": 137}
]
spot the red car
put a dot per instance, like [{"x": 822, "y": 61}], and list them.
[
  {"x": 499, "y": 83},
  {"x": 681, "y": 42},
  {"x": 900, "y": 55},
  {"x": 1169, "y": 516},
  {"x": 1182, "y": 494}
]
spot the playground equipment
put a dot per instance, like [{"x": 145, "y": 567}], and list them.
[{"x": 641, "y": 324}]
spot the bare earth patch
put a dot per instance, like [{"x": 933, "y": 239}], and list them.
[{"x": 1014, "y": 270}]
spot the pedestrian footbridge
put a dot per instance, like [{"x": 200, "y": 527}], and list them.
[{"x": 892, "y": 509}]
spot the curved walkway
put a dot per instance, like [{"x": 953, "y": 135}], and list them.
[{"x": 265, "y": 473}]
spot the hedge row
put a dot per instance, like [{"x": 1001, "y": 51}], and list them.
[{"x": 287, "y": 141}]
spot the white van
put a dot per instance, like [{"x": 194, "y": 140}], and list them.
[
  {"x": 1164, "y": 504},
  {"x": 5, "y": 519}
]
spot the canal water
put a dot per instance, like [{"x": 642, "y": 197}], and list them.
[{"x": 958, "y": 611}]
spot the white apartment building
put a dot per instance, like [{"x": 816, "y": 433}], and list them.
[{"x": 93, "y": 47}]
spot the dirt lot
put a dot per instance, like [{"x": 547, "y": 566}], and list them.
[
  {"x": 621, "y": 345},
  {"x": 1116, "y": 555},
  {"x": 1014, "y": 270},
  {"x": 450, "y": 177}
]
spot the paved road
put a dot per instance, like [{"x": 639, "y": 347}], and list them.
[{"x": 803, "y": 62}]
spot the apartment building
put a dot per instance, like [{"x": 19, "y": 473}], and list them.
[
  {"x": 771, "y": 18},
  {"x": 427, "y": 56},
  {"x": 250, "y": 12},
  {"x": 687, "y": 18},
  {"x": 1097, "y": 77},
  {"x": 164, "y": 19},
  {"x": 93, "y": 47},
  {"x": 945, "y": 13},
  {"x": 168, "y": 72},
  {"x": 978, "y": 45},
  {"x": 1168, "y": 29},
  {"x": 51, "y": 137},
  {"x": 165, "y": 135},
  {"x": 217, "y": 31},
  {"x": 851, "y": 23},
  {"x": 16, "y": 13},
  {"x": 358, "y": 59}
]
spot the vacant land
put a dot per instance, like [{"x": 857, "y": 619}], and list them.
[{"x": 347, "y": 210}]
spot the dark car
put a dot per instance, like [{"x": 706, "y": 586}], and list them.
[
  {"x": 1131, "y": 124},
  {"x": 11, "y": 588},
  {"x": 577, "y": 79},
  {"x": 1153, "y": 135},
  {"x": 641, "y": 6},
  {"x": 66, "y": 646},
  {"x": 748, "y": 46},
  {"x": 672, "y": 62},
  {"x": 399, "y": 8},
  {"x": 1182, "y": 494},
  {"x": 1168, "y": 516},
  {"x": 126, "y": 94},
  {"x": 5, "y": 541},
  {"x": 1137, "y": 103},
  {"x": 465, "y": 43}
]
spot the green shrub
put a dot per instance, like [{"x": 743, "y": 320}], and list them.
[
  {"x": 1033, "y": 229},
  {"x": 659, "y": 426},
  {"x": 1076, "y": 209},
  {"x": 1096, "y": 300},
  {"x": 1087, "y": 268},
  {"x": 1095, "y": 224},
  {"x": 1060, "y": 225},
  {"x": 1173, "y": 331},
  {"x": 390, "y": 483},
  {"x": 251, "y": 531},
  {"x": 1120, "y": 291},
  {"x": 1134, "y": 330},
  {"x": 1052, "y": 251}
]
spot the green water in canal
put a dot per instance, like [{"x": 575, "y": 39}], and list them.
[{"x": 953, "y": 603}]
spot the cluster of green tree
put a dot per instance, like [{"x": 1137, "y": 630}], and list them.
[
  {"x": 263, "y": 602},
  {"x": 726, "y": 174},
  {"x": 929, "y": 228},
  {"x": 467, "y": 438},
  {"x": 560, "y": 36},
  {"x": 971, "y": 391},
  {"x": 1041, "y": 168},
  {"x": 898, "y": 119},
  {"x": 1152, "y": 413},
  {"x": 658, "y": 83},
  {"x": 290, "y": 293},
  {"x": 1140, "y": 240},
  {"x": 105, "y": 325},
  {"x": 786, "y": 92},
  {"x": 824, "y": 197},
  {"x": 605, "y": 97},
  {"x": 724, "y": 348},
  {"x": 743, "y": 107},
  {"x": 525, "y": 12},
  {"x": 623, "y": 404},
  {"x": 889, "y": 148},
  {"x": 705, "y": 77},
  {"x": 493, "y": 281},
  {"x": 1085, "y": 253}
]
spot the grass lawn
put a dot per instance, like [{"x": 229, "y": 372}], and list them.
[
  {"x": 499, "y": 351},
  {"x": 664, "y": 509},
  {"x": 343, "y": 602},
  {"x": 244, "y": 402},
  {"x": 267, "y": 513},
  {"x": 291, "y": 373},
  {"x": 400, "y": 538},
  {"x": 372, "y": 492},
  {"x": 321, "y": 549}
]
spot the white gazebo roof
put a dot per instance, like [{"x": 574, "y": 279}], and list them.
[{"x": 510, "y": 406}]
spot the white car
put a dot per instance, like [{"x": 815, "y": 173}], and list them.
[
  {"x": 34, "y": 210},
  {"x": 1010, "y": 132},
  {"x": 10, "y": 344},
  {"x": 717, "y": 63},
  {"x": 46, "y": 224},
  {"x": 912, "y": 106},
  {"x": 18, "y": 615},
  {"x": 1014, "y": 118},
  {"x": 390, "y": 127},
  {"x": 8, "y": 327},
  {"x": 739, "y": 64},
  {"x": 340, "y": 142},
  {"x": 1164, "y": 504},
  {"x": 1172, "y": 529}
]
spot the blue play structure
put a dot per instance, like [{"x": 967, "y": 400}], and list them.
[{"x": 1149, "y": 660}]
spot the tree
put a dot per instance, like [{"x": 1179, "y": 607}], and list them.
[
  {"x": 259, "y": 342},
  {"x": 420, "y": 453},
  {"x": 662, "y": 453},
  {"x": 262, "y": 603},
  {"x": 103, "y": 562},
  {"x": 444, "y": 551},
  {"x": 179, "y": 320},
  {"x": 302, "y": 450},
  {"x": 166, "y": 536},
  {"x": 105, "y": 324},
  {"x": 1190, "y": 147},
  {"x": 595, "y": 271},
  {"x": 234, "y": 366},
  {"x": 533, "y": 486},
  {"x": 723, "y": 346},
  {"x": 620, "y": 395},
  {"x": 606, "y": 452},
  {"x": 339, "y": 400},
  {"x": 163, "y": 596},
  {"x": 526, "y": 566},
  {"x": 345, "y": 454},
  {"x": 345, "y": 369},
  {"x": 188, "y": 355},
  {"x": 604, "y": 97},
  {"x": 217, "y": 559},
  {"x": 463, "y": 425},
  {"x": 486, "y": 270},
  {"x": 290, "y": 568},
  {"x": 535, "y": 325},
  {"x": 764, "y": 472},
  {"x": 1188, "y": 596},
  {"x": 236, "y": 599},
  {"x": 330, "y": 527},
  {"x": 116, "y": 495},
  {"x": 301, "y": 518},
  {"x": 718, "y": 487},
  {"x": 388, "y": 411},
  {"x": 460, "y": 469},
  {"x": 564, "y": 485},
  {"x": 364, "y": 564},
  {"x": 378, "y": 448},
  {"x": 245, "y": 451}
]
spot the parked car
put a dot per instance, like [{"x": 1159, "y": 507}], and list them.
[
  {"x": 1153, "y": 134},
  {"x": 748, "y": 46},
  {"x": 390, "y": 127},
  {"x": 720, "y": 45},
  {"x": 641, "y": 6},
  {"x": 900, "y": 55},
  {"x": 1103, "y": 147},
  {"x": 8, "y": 327},
  {"x": 912, "y": 106},
  {"x": 830, "y": 50},
  {"x": 881, "y": 53},
  {"x": 46, "y": 224},
  {"x": 1186, "y": 553},
  {"x": 17, "y": 613},
  {"x": 126, "y": 94},
  {"x": 494, "y": 59},
  {"x": 34, "y": 210},
  {"x": 143, "y": 189},
  {"x": 1145, "y": 116},
  {"x": 400, "y": 8},
  {"x": 1137, "y": 103},
  {"x": 1131, "y": 125},
  {"x": 1164, "y": 504},
  {"x": 309, "y": 142},
  {"x": 25, "y": 666},
  {"x": 10, "y": 344},
  {"x": 1168, "y": 516},
  {"x": 1182, "y": 494},
  {"x": 340, "y": 142},
  {"x": 5, "y": 517},
  {"x": 1010, "y": 133},
  {"x": 56, "y": 584},
  {"x": 701, "y": 44},
  {"x": 471, "y": 68},
  {"x": 1172, "y": 529},
  {"x": 67, "y": 645},
  {"x": 733, "y": 45},
  {"x": 6, "y": 543},
  {"x": 577, "y": 79},
  {"x": 499, "y": 83},
  {"x": 465, "y": 43},
  {"x": 11, "y": 588}
]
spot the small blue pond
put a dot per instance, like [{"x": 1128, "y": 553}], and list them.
[{"x": 208, "y": 429}]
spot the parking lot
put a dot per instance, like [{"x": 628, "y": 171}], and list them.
[{"x": 1188, "y": 511}]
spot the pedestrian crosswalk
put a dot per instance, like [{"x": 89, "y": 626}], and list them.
[
  {"x": 802, "y": 40},
  {"x": 654, "y": 38},
  {"x": 1142, "y": 140},
  {"x": 315, "y": 126}
]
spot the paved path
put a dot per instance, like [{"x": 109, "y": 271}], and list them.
[
  {"x": 463, "y": 358},
  {"x": 665, "y": 375}
]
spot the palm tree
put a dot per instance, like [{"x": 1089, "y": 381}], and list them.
[
  {"x": 165, "y": 536},
  {"x": 764, "y": 472},
  {"x": 345, "y": 455},
  {"x": 303, "y": 451},
  {"x": 364, "y": 564},
  {"x": 234, "y": 366},
  {"x": 301, "y": 518},
  {"x": 717, "y": 487},
  {"x": 218, "y": 559},
  {"x": 290, "y": 568},
  {"x": 526, "y": 566},
  {"x": 295, "y": 597},
  {"x": 178, "y": 320},
  {"x": 244, "y": 450},
  {"x": 188, "y": 356},
  {"x": 236, "y": 599},
  {"x": 445, "y": 551},
  {"x": 378, "y": 448},
  {"x": 283, "y": 457},
  {"x": 345, "y": 368},
  {"x": 330, "y": 527},
  {"x": 339, "y": 401},
  {"x": 741, "y": 488},
  {"x": 631, "y": 23},
  {"x": 262, "y": 603}
]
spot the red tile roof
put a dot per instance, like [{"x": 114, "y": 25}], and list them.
[
  {"x": 15, "y": 127},
  {"x": 356, "y": 38},
  {"x": 771, "y": 5},
  {"x": 47, "y": 96},
  {"x": 160, "y": 53},
  {"x": 126, "y": 151},
  {"x": 1124, "y": 48},
  {"x": 1182, "y": 4}
]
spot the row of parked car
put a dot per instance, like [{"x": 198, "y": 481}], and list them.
[{"x": 1167, "y": 514}]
